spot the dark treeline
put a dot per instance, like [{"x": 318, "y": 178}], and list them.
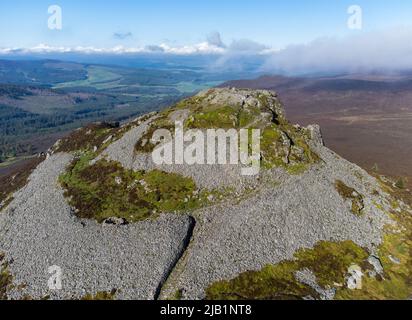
[
  {"x": 16, "y": 125},
  {"x": 19, "y": 127}
]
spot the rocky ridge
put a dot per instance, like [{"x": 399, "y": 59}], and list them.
[{"x": 205, "y": 230}]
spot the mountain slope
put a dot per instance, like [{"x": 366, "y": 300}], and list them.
[
  {"x": 309, "y": 225},
  {"x": 367, "y": 119}
]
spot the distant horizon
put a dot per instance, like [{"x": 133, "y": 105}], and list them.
[
  {"x": 291, "y": 38},
  {"x": 249, "y": 68}
]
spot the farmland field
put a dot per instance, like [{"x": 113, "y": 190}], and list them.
[
  {"x": 97, "y": 77},
  {"x": 43, "y": 100}
]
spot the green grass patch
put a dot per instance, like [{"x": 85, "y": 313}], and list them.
[
  {"x": 329, "y": 261},
  {"x": 396, "y": 282},
  {"x": 297, "y": 169},
  {"x": 87, "y": 138},
  {"x": 105, "y": 189},
  {"x": 219, "y": 118},
  {"x": 6, "y": 278},
  {"x": 273, "y": 282},
  {"x": 271, "y": 147},
  {"x": 95, "y": 137},
  {"x": 395, "y": 254},
  {"x": 294, "y": 154},
  {"x": 349, "y": 193},
  {"x": 401, "y": 183},
  {"x": 97, "y": 77},
  {"x": 178, "y": 295},
  {"x": 101, "y": 295}
]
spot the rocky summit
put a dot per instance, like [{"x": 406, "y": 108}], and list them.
[{"x": 98, "y": 218}]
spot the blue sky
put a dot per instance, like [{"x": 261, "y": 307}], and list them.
[
  {"x": 23, "y": 23},
  {"x": 289, "y": 36}
]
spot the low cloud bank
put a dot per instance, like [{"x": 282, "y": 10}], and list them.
[
  {"x": 389, "y": 50},
  {"x": 212, "y": 46}
]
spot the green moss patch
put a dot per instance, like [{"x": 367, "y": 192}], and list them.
[
  {"x": 87, "y": 138},
  {"x": 401, "y": 183},
  {"x": 285, "y": 146},
  {"x": 273, "y": 282},
  {"x": 105, "y": 190},
  {"x": 349, "y": 193},
  {"x": 178, "y": 295},
  {"x": 6, "y": 278},
  {"x": 102, "y": 295},
  {"x": 273, "y": 153},
  {"x": 329, "y": 261},
  {"x": 396, "y": 257},
  {"x": 223, "y": 117},
  {"x": 96, "y": 136}
]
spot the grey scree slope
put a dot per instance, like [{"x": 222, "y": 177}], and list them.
[
  {"x": 38, "y": 230},
  {"x": 272, "y": 225},
  {"x": 205, "y": 176}
]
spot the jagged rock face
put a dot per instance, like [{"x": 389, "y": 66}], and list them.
[
  {"x": 266, "y": 102},
  {"x": 299, "y": 229},
  {"x": 282, "y": 145}
]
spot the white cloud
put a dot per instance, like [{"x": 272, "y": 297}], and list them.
[
  {"x": 389, "y": 50},
  {"x": 44, "y": 48},
  {"x": 214, "y": 39},
  {"x": 246, "y": 45},
  {"x": 122, "y": 35},
  {"x": 379, "y": 50},
  {"x": 212, "y": 46},
  {"x": 200, "y": 48}
]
